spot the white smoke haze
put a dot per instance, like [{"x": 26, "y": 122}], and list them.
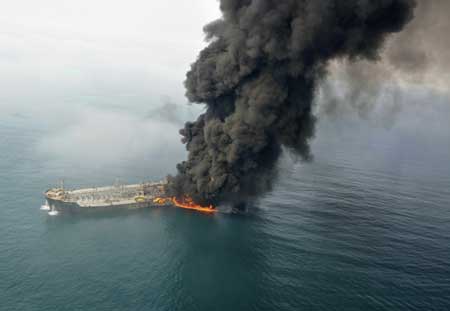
[
  {"x": 414, "y": 60},
  {"x": 101, "y": 137}
]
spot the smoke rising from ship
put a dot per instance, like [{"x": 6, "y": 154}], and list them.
[{"x": 258, "y": 78}]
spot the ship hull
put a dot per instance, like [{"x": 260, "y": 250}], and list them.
[
  {"x": 73, "y": 206},
  {"x": 105, "y": 198}
]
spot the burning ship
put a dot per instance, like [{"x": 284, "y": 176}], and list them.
[{"x": 143, "y": 195}]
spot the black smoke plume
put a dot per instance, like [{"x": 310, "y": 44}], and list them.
[{"x": 258, "y": 78}]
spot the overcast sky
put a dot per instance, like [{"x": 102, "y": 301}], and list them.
[{"x": 58, "y": 52}]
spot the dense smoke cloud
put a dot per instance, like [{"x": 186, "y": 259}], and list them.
[{"x": 258, "y": 78}]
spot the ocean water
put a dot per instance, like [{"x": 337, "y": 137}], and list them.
[{"x": 365, "y": 226}]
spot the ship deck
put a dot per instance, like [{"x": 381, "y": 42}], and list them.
[{"x": 110, "y": 196}]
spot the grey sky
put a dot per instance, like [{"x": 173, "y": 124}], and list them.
[{"x": 55, "y": 50}]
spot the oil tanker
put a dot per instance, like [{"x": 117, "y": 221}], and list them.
[
  {"x": 142, "y": 195},
  {"x": 117, "y": 196}
]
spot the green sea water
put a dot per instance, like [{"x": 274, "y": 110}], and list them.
[{"x": 365, "y": 226}]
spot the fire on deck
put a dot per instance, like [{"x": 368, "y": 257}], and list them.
[{"x": 185, "y": 203}]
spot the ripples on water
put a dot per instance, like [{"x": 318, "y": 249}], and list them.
[{"x": 357, "y": 229}]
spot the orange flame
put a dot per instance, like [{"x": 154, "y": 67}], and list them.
[{"x": 186, "y": 203}]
